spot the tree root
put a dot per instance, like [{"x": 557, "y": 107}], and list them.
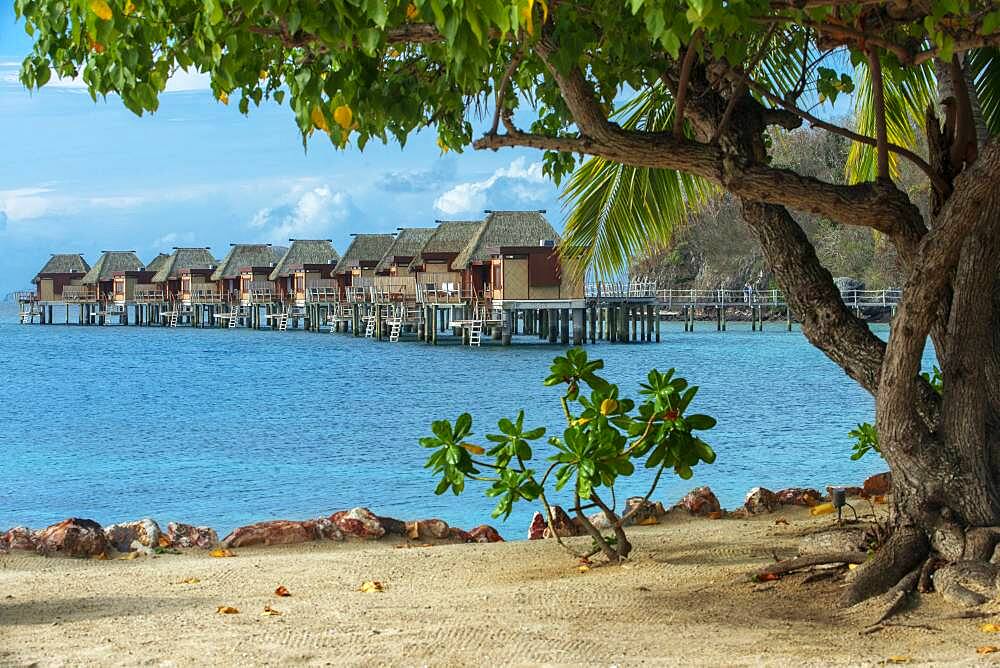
[
  {"x": 901, "y": 554},
  {"x": 898, "y": 595},
  {"x": 798, "y": 563},
  {"x": 925, "y": 582},
  {"x": 967, "y": 583}
]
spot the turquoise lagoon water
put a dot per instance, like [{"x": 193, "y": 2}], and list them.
[{"x": 228, "y": 427}]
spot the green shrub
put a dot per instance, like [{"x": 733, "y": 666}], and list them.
[{"x": 605, "y": 436}]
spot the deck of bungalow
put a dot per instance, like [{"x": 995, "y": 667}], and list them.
[{"x": 467, "y": 281}]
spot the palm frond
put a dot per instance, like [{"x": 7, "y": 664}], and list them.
[
  {"x": 908, "y": 92},
  {"x": 985, "y": 68}
]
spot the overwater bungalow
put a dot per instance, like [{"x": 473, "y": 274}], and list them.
[
  {"x": 243, "y": 275},
  {"x": 61, "y": 271},
  {"x": 356, "y": 268},
  {"x": 512, "y": 256},
  {"x": 186, "y": 275},
  {"x": 99, "y": 282},
  {"x": 306, "y": 266},
  {"x": 394, "y": 281},
  {"x": 431, "y": 267}
]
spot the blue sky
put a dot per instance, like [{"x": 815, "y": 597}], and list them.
[{"x": 76, "y": 176}]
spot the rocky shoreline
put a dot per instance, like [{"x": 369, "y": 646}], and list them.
[{"x": 84, "y": 538}]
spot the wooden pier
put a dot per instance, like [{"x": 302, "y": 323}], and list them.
[{"x": 631, "y": 312}]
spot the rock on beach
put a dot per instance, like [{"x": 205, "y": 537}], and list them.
[{"x": 73, "y": 537}]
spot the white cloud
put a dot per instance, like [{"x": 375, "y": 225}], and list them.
[
  {"x": 520, "y": 181},
  {"x": 180, "y": 81},
  {"x": 306, "y": 213}
]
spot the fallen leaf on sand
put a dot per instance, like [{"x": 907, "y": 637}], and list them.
[
  {"x": 371, "y": 587},
  {"x": 220, "y": 552},
  {"x": 100, "y": 557},
  {"x": 715, "y": 515},
  {"x": 189, "y": 581},
  {"x": 898, "y": 659},
  {"x": 767, "y": 577},
  {"x": 780, "y": 520},
  {"x": 583, "y": 568},
  {"x": 282, "y": 590},
  {"x": 990, "y": 628},
  {"x": 270, "y": 612},
  {"x": 227, "y": 610},
  {"x": 129, "y": 556},
  {"x": 987, "y": 649}
]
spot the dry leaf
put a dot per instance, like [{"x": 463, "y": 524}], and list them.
[
  {"x": 100, "y": 557},
  {"x": 221, "y": 552},
  {"x": 987, "y": 649},
  {"x": 780, "y": 520},
  {"x": 101, "y": 9},
  {"x": 129, "y": 556},
  {"x": 282, "y": 590},
  {"x": 990, "y": 628},
  {"x": 412, "y": 13},
  {"x": 227, "y": 610},
  {"x": 715, "y": 515},
  {"x": 898, "y": 659},
  {"x": 767, "y": 577},
  {"x": 583, "y": 568},
  {"x": 189, "y": 581},
  {"x": 371, "y": 587},
  {"x": 474, "y": 449},
  {"x": 270, "y": 612}
]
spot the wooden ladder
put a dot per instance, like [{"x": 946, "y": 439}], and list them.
[{"x": 476, "y": 334}]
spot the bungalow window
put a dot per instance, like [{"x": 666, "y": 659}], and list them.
[
  {"x": 300, "y": 282},
  {"x": 497, "y": 276},
  {"x": 186, "y": 283}
]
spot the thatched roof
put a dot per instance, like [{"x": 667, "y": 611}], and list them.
[
  {"x": 407, "y": 244},
  {"x": 505, "y": 228},
  {"x": 157, "y": 262},
  {"x": 184, "y": 258},
  {"x": 109, "y": 263},
  {"x": 450, "y": 236},
  {"x": 246, "y": 255},
  {"x": 64, "y": 263},
  {"x": 369, "y": 248},
  {"x": 305, "y": 251}
]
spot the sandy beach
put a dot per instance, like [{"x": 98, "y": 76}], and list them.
[{"x": 683, "y": 599}]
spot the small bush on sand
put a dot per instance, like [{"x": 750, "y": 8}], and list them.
[{"x": 606, "y": 435}]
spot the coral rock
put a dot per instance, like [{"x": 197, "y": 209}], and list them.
[
  {"x": 536, "y": 530},
  {"x": 74, "y": 537},
  {"x": 648, "y": 512},
  {"x": 700, "y": 501},
  {"x": 358, "y": 522},
  {"x": 327, "y": 529},
  {"x": 19, "y": 538},
  {"x": 484, "y": 533},
  {"x": 563, "y": 524},
  {"x": 799, "y": 496},
  {"x": 186, "y": 535},
  {"x": 274, "y": 532},
  {"x": 878, "y": 485},
  {"x": 121, "y": 536},
  {"x": 761, "y": 500},
  {"x": 393, "y": 526},
  {"x": 459, "y": 536},
  {"x": 850, "y": 491},
  {"x": 425, "y": 529}
]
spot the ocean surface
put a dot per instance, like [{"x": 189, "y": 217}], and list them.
[{"x": 228, "y": 427}]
